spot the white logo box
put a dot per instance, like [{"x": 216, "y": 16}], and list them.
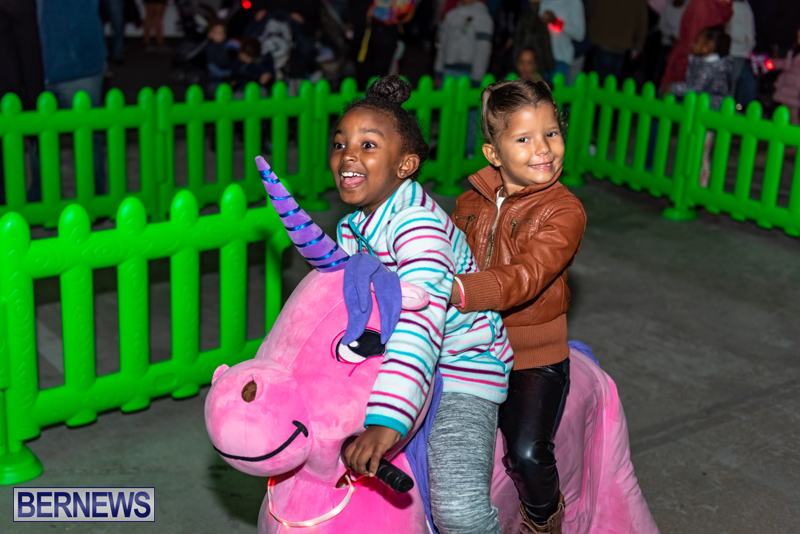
[{"x": 52, "y": 505}]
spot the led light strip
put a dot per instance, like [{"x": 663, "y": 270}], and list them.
[{"x": 316, "y": 521}]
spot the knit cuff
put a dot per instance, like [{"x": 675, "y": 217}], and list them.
[{"x": 481, "y": 291}]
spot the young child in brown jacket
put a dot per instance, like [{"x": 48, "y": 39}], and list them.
[{"x": 524, "y": 228}]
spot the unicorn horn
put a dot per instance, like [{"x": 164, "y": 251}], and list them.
[{"x": 317, "y": 248}]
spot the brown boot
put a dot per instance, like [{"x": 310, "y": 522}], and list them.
[{"x": 553, "y": 525}]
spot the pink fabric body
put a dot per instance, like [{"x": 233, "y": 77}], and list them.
[{"x": 298, "y": 379}]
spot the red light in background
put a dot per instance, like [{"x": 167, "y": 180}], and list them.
[
  {"x": 769, "y": 64},
  {"x": 246, "y": 4}
]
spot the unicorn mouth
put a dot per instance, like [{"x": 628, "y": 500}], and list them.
[
  {"x": 351, "y": 180},
  {"x": 301, "y": 429}
]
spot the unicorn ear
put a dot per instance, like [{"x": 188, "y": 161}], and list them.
[
  {"x": 414, "y": 297},
  {"x": 219, "y": 370}
]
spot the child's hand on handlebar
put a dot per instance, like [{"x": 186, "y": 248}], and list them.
[{"x": 369, "y": 448}]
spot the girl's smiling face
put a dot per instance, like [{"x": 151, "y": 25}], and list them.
[
  {"x": 368, "y": 162},
  {"x": 530, "y": 150}
]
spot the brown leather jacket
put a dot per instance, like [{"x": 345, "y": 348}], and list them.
[{"x": 523, "y": 263}]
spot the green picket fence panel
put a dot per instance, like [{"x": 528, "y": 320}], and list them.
[
  {"x": 72, "y": 256},
  {"x": 252, "y": 110},
  {"x": 620, "y": 166},
  {"x": 592, "y": 109},
  {"x": 47, "y": 124},
  {"x": 745, "y": 201}
]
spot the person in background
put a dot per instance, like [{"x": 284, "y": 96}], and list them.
[
  {"x": 669, "y": 24},
  {"x": 528, "y": 65},
  {"x": 464, "y": 48},
  {"x": 531, "y": 32},
  {"x": 115, "y": 11},
  {"x": 699, "y": 14},
  {"x": 617, "y": 30},
  {"x": 787, "y": 86},
  {"x": 219, "y": 56},
  {"x": 582, "y": 48},
  {"x": 74, "y": 54},
  {"x": 742, "y": 29},
  {"x": 710, "y": 70},
  {"x": 153, "y": 23},
  {"x": 566, "y": 22},
  {"x": 375, "y": 34},
  {"x": 23, "y": 73},
  {"x": 465, "y": 42},
  {"x": 250, "y": 66}
]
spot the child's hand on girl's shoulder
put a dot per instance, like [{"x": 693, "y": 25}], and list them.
[{"x": 369, "y": 448}]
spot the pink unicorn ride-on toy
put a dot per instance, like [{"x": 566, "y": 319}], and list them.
[{"x": 286, "y": 413}]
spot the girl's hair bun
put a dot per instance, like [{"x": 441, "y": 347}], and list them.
[{"x": 390, "y": 88}]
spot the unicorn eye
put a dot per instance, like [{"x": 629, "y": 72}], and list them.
[{"x": 366, "y": 346}]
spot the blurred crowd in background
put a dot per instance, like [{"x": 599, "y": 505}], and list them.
[{"x": 69, "y": 45}]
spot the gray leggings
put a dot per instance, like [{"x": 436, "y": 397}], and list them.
[{"x": 460, "y": 460}]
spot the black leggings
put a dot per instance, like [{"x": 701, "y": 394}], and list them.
[{"x": 529, "y": 419}]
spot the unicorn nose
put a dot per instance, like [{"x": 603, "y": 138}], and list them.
[{"x": 249, "y": 391}]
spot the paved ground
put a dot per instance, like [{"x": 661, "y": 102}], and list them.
[{"x": 696, "y": 322}]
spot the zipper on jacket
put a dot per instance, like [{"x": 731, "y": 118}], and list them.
[
  {"x": 491, "y": 241},
  {"x": 514, "y": 225},
  {"x": 469, "y": 219}
]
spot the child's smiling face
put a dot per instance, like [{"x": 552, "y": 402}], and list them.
[
  {"x": 368, "y": 162},
  {"x": 530, "y": 150}
]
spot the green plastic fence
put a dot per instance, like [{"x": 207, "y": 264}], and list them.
[
  {"x": 72, "y": 256},
  {"x": 675, "y": 169},
  {"x": 619, "y": 154}
]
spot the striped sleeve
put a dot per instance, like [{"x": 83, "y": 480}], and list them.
[
  {"x": 345, "y": 237},
  {"x": 418, "y": 241}
]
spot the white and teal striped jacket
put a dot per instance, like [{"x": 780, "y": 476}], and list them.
[{"x": 413, "y": 236}]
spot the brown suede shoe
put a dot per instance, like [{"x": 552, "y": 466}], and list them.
[{"x": 553, "y": 525}]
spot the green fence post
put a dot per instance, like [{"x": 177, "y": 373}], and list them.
[
  {"x": 184, "y": 274},
  {"x": 132, "y": 284},
  {"x": 279, "y": 160},
  {"x": 18, "y": 376},
  {"x": 148, "y": 168},
  {"x": 686, "y": 161},
  {"x": 747, "y": 162},
  {"x": 233, "y": 275},
  {"x": 117, "y": 150},
  {"x": 49, "y": 160},
  {"x": 223, "y": 136},
  {"x": 643, "y": 125},
  {"x": 769, "y": 211},
  {"x": 165, "y": 151},
  {"x": 452, "y": 135},
  {"x": 576, "y": 143},
  {"x": 311, "y": 187},
  {"x": 319, "y": 134},
  {"x": 84, "y": 150},
  {"x": 195, "y": 137},
  {"x": 13, "y": 154},
  {"x": 77, "y": 311}
]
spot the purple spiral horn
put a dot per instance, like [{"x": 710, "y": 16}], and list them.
[{"x": 316, "y": 247}]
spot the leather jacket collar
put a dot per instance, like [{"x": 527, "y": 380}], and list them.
[{"x": 487, "y": 181}]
